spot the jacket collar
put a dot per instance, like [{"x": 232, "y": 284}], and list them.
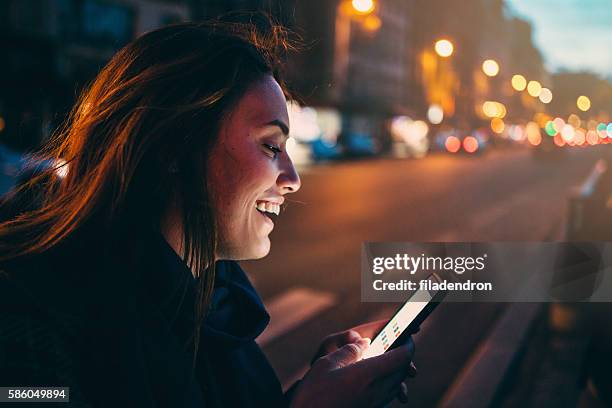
[{"x": 236, "y": 314}]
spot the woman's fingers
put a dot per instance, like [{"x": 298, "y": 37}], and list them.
[
  {"x": 337, "y": 340},
  {"x": 334, "y": 341},
  {"x": 342, "y": 378},
  {"x": 345, "y": 355},
  {"x": 387, "y": 363},
  {"x": 370, "y": 329}
]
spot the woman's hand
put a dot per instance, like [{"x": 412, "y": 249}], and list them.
[
  {"x": 339, "y": 377},
  {"x": 334, "y": 341},
  {"x": 368, "y": 330}
]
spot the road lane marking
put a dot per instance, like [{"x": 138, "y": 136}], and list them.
[{"x": 292, "y": 308}]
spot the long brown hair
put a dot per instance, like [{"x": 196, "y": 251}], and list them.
[{"x": 140, "y": 135}]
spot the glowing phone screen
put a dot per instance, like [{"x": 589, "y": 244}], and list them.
[{"x": 398, "y": 323}]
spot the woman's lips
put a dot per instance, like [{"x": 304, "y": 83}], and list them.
[{"x": 268, "y": 206}]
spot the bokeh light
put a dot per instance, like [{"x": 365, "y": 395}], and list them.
[
  {"x": 579, "y": 137},
  {"x": 534, "y": 88},
  {"x": 558, "y": 124},
  {"x": 452, "y": 144},
  {"x": 444, "y": 48},
  {"x": 435, "y": 114},
  {"x": 568, "y": 132},
  {"x": 372, "y": 23},
  {"x": 519, "y": 83},
  {"x": 592, "y": 138},
  {"x": 546, "y": 95},
  {"x": 517, "y": 133},
  {"x": 470, "y": 144},
  {"x": 574, "y": 120},
  {"x": 363, "y": 6},
  {"x": 609, "y": 130},
  {"x": 550, "y": 128},
  {"x": 490, "y": 67},
  {"x": 583, "y": 103},
  {"x": 497, "y": 125},
  {"x": 601, "y": 130},
  {"x": 559, "y": 140},
  {"x": 533, "y": 133},
  {"x": 412, "y": 133},
  {"x": 493, "y": 109},
  {"x": 420, "y": 128}
]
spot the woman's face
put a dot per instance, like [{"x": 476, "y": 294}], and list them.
[{"x": 250, "y": 172}]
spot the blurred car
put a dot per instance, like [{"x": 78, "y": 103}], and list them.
[
  {"x": 358, "y": 144},
  {"x": 459, "y": 141},
  {"x": 323, "y": 150}
]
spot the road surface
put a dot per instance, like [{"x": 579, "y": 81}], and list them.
[{"x": 311, "y": 282}]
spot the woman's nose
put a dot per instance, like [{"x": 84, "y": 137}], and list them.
[{"x": 289, "y": 179}]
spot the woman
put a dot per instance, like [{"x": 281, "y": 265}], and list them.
[{"x": 122, "y": 283}]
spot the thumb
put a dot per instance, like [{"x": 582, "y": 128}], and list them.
[{"x": 348, "y": 354}]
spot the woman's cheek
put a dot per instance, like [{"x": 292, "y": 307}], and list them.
[{"x": 259, "y": 170}]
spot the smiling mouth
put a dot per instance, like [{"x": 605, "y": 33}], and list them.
[
  {"x": 268, "y": 209},
  {"x": 271, "y": 216}
]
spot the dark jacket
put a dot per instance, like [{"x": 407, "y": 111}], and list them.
[{"x": 117, "y": 331}]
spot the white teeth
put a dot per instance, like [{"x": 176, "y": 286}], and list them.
[{"x": 269, "y": 207}]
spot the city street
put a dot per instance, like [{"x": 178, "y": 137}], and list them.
[
  {"x": 310, "y": 282},
  {"x": 429, "y": 122}
]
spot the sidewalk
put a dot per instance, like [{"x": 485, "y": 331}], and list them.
[{"x": 550, "y": 370}]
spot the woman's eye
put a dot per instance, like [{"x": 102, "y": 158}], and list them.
[{"x": 275, "y": 150}]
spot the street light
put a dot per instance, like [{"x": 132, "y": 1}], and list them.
[
  {"x": 363, "y": 6},
  {"x": 546, "y": 95},
  {"x": 534, "y": 88},
  {"x": 583, "y": 103},
  {"x": 519, "y": 83},
  {"x": 493, "y": 109},
  {"x": 490, "y": 67},
  {"x": 444, "y": 48},
  {"x": 497, "y": 125}
]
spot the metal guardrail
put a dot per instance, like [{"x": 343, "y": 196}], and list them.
[
  {"x": 590, "y": 207},
  {"x": 590, "y": 184}
]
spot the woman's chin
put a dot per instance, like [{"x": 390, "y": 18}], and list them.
[
  {"x": 262, "y": 249},
  {"x": 256, "y": 250}
]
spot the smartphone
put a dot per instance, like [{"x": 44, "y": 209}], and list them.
[{"x": 406, "y": 320}]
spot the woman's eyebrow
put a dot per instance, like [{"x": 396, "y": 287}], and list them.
[{"x": 282, "y": 125}]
